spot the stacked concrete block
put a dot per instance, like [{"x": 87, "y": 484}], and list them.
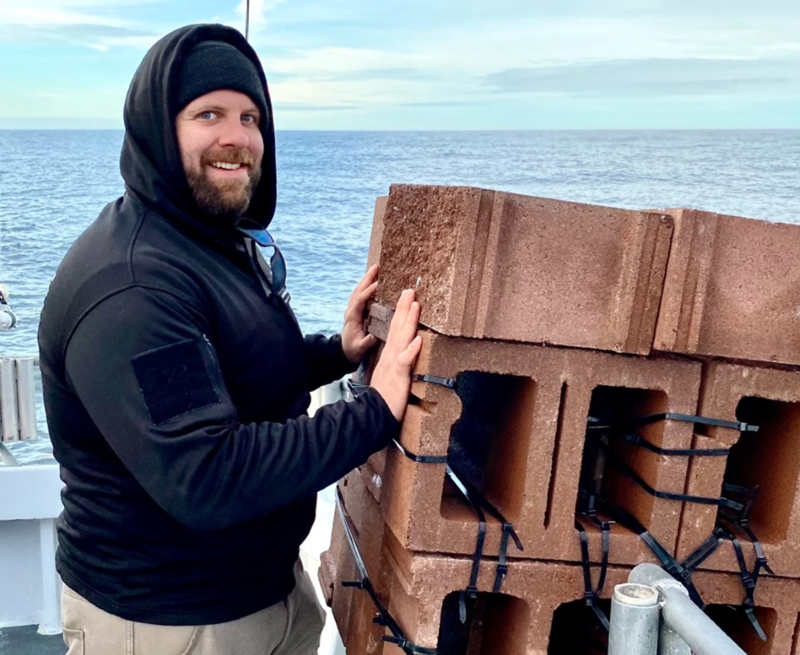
[
  {"x": 538, "y": 590},
  {"x": 353, "y": 609},
  {"x": 769, "y": 459},
  {"x": 545, "y": 314},
  {"x": 530, "y": 406},
  {"x": 493, "y": 265},
  {"x": 540, "y": 610},
  {"x": 732, "y": 289}
]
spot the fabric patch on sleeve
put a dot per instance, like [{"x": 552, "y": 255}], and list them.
[{"x": 174, "y": 380}]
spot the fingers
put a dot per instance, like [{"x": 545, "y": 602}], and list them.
[
  {"x": 409, "y": 329},
  {"x": 410, "y": 354},
  {"x": 366, "y": 293},
  {"x": 401, "y": 310},
  {"x": 369, "y": 278}
]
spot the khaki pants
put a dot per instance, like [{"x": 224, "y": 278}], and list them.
[{"x": 290, "y": 627}]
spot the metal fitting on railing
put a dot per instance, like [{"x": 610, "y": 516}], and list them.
[{"x": 685, "y": 628}]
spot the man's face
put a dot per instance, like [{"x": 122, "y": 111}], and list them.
[{"x": 221, "y": 149}]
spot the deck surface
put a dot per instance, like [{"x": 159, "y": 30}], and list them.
[{"x": 26, "y": 641}]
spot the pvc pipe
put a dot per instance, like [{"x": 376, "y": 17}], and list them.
[
  {"x": 26, "y": 398},
  {"x": 634, "y": 620},
  {"x": 682, "y": 616},
  {"x": 8, "y": 401}
]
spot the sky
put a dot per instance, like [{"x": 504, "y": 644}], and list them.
[{"x": 430, "y": 64}]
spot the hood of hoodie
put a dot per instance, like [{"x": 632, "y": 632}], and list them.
[{"x": 151, "y": 162}]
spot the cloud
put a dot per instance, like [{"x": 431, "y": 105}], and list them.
[
  {"x": 652, "y": 77},
  {"x": 258, "y": 10},
  {"x": 85, "y": 23}
]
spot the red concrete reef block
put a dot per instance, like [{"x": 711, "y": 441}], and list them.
[
  {"x": 353, "y": 609},
  {"x": 376, "y": 237},
  {"x": 732, "y": 289},
  {"x": 496, "y": 265},
  {"x": 769, "y": 458},
  {"x": 541, "y": 610},
  {"x": 515, "y": 426},
  {"x": 777, "y": 608}
]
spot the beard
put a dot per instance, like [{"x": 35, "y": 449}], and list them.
[{"x": 223, "y": 197}]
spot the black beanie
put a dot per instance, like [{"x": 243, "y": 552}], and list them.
[{"x": 214, "y": 65}]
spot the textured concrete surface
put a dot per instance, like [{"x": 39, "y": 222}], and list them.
[
  {"x": 539, "y": 611},
  {"x": 732, "y": 289},
  {"x": 536, "y": 592},
  {"x": 520, "y": 438},
  {"x": 376, "y": 236},
  {"x": 769, "y": 459},
  {"x": 497, "y": 265},
  {"x": 353, "y": 609}
]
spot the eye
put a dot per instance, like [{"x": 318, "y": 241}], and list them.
[
  {"x": 208, "y": 115},
  {"x": 250, "y": 118}
]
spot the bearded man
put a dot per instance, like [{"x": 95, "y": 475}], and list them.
[{"x": 177, "y": 380}]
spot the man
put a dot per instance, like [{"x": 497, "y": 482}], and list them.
[{"x": 176, "y": 381}]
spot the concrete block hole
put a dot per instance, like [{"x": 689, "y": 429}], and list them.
[
  {"x": 489, "y": 442},
  {"x": 736, "y": 625},
  {"x": 769, "y": 458},
  {"x": 576, "y": 630},
  {"x": 614, "y": 404},
  {"x": 496, "y": 625}
]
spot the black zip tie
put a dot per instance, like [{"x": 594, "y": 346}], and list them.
[
  {"x": 384, "y": 618},
  {"x": 749, "y": 580},
  {"x": 591, "y": 594},
  {"x": 617, "y": 463},
  {"x": 502, "y": 564},
  {"x": 478, "y": 498},
  {"x": 638, "y": 440},
  {"x": 703, "y": 551},
  {"x": 686, "y": 418},
  {"x": 472, "y": 587},
  {"x": 669, "y": 563},
  {"x": 422, "y": 459},
  {"x": 450, "y": 383},
  {"x": 475, "y": 498}
]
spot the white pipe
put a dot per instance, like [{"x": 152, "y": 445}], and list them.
[
  {"x": 50, "y": 619},
  {"x": 26, "y": 398},
  {"x": 8, "y": 401}
]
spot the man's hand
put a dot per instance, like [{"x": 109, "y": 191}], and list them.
[
  {"x": 356, "y": 341},
  {"x": 392, "y": 375}
]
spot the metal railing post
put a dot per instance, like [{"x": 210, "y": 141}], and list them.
[
  {"x": 634, "y": 620},
  {"x": 681, "y": 616},
  {"x": 8, "y": 401},
  {"x": 26, "y": 398}
]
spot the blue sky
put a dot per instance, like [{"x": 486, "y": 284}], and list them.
[{"x": 430, "y": 64}]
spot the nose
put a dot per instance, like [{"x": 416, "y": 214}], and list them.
[{"x": 234, "y": 134}]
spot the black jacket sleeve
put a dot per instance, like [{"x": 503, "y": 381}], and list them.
[
  {"x": 326, "y": 359},
  {"x": 151, "y": 382}
]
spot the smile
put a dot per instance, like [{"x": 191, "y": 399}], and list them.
[{"x": 225, "y": 166}]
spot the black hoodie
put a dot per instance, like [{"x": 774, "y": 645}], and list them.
[{"x": 176, "y": 390}]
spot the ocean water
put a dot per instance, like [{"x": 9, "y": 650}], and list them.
[{"x": 53, "y": 184}]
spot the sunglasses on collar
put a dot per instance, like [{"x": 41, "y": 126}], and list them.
[{"x": 277, "y": 263}]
